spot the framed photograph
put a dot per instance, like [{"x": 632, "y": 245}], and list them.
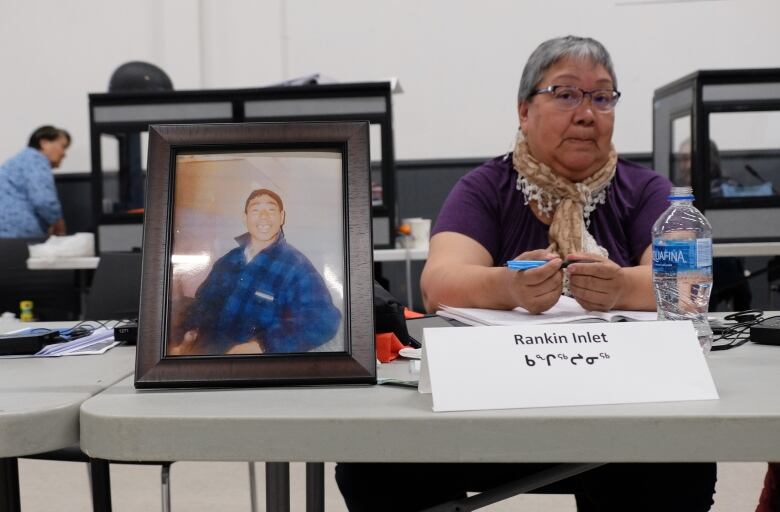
[{"x": 257, "y": 256}]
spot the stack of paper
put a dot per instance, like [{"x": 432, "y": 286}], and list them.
[
  {"x": 567, "y": 310},
  {"x": 100, "y": 340}
]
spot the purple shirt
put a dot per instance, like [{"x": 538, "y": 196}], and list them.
[{"x": 486, "y": 206}]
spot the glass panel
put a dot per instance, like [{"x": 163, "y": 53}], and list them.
[
  {"x": 175, "y": 112},
  {"x": 109, "y": 151},
  {"x": 123, "y": 176},
  {"x": 144, "y": 150},
  {"x": 109, "y": 162},
  {"x": 306, "y": 107},
  {"x": 680, "y": 156},
  {"x": 375, "y": 140},
  {"x": 744, "y": 154}
]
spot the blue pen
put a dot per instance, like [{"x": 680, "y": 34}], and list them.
[
  {"x": 524, "y": 264},
  {"x": 528, "y": 264}
]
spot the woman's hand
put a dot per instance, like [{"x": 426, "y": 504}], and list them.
[
  {"x": 58, "y": 228},
  {"x": 597, "y": 285},
  {"x": 538, "y": 289},
  {"x": 460, "y": 272}
]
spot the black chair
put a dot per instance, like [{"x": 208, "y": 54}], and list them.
[
  {"x": 54, "y": 292},
  {"x": 114, "y": 294},
  {"x": 116, "y": 287},
  {"x": 731, "y": 288},
  {"x": 773, "y": 277}
]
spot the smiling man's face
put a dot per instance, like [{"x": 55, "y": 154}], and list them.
[
  {"x": 264, "y": 219},
  {"x": 574, "y": 143}
]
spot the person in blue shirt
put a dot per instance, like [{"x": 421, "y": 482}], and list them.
[
  {"x": 29, "y": 206},
  {"x": 264, "y": 296}
]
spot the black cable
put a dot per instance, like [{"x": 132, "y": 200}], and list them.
[
  {"x": 739, "y": 333},
  {"x": 83, "y": 328}
]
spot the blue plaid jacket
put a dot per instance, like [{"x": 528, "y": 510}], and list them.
[
  {"x": 277, "y": 298},
  {"x": 28, "y": 198}
]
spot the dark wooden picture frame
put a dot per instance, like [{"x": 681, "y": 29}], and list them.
[{"x": 355, "y": 360}]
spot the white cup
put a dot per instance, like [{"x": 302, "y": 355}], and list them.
[{"x": 420, "y": 231}]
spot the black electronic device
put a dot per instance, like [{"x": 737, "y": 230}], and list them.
[
  {"x": 416, "y": 326},
  {"x": 766, "y": 332},
  {"x": 26, "y": 342},
  {"x": 126, "y": 333}
]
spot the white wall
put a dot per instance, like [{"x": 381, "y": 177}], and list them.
[{"x": 458, "y": 61}]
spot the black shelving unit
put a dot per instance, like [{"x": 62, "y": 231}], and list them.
[{"x": 126, "y": 115}]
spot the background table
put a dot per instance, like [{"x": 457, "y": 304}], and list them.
[
  {"x": 406, "y": 255},
  {"x": 84, "y": 265},
  {"x": 40, "y": 399},
  {"x": 75, "y": 263},
  {"x": 746, "y": 249}
]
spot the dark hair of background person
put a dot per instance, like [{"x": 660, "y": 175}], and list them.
[
  {"x": 264, "y": 192},
  {"x": 46, "y": 132}
]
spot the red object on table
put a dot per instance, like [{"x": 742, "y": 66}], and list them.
[
  {"x": 408, "y": 313},
  {"x": 387, "y": 347}
]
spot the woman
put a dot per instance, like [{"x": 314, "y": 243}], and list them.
[
  {"x": 29, "y": 206},
  {"x": 562, "y": 193}
]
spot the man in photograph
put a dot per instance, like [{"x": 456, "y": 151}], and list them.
[{"x": 264, "y": 296}]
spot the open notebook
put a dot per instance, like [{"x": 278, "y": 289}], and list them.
[{"x": 565, "y": 311}]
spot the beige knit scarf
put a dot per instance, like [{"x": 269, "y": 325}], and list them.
[{"x": 567, "y": 202}]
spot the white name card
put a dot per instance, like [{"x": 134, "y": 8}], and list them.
[{"x": 474, "y": 368}]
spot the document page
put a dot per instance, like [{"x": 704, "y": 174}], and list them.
[{"x": 567, "y": 310}]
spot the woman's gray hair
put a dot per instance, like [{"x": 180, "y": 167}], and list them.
[{"x": 553, "y": 50}]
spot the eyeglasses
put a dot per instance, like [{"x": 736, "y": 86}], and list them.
[{"x": 568, "y": 97}]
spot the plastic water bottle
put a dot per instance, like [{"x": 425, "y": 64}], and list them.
[{"x": 682, "y": 264}]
